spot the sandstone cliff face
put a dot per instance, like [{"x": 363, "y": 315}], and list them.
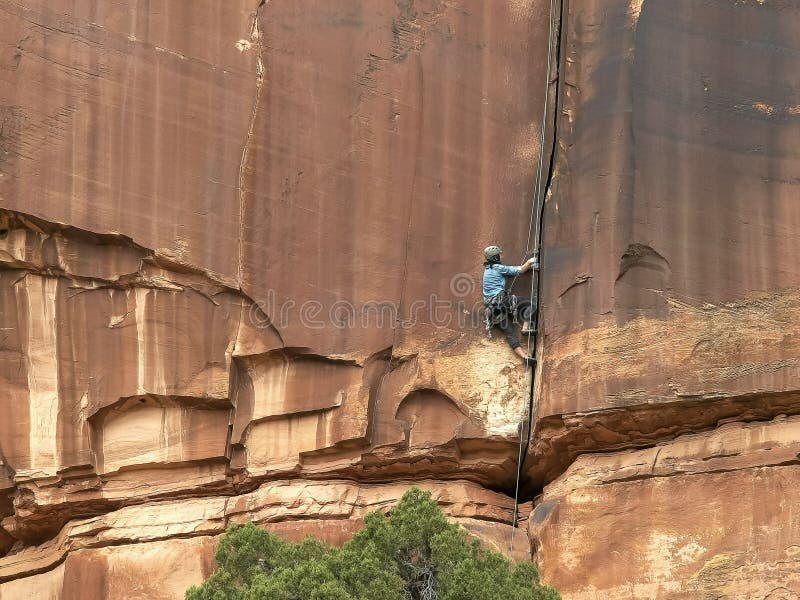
[
  {"x": 707, "y": 515},
  {"x": 669, "y": 301},
  {"x": 671, "y": 278},
  {"x": 239, "y": 246},
  {"x": 226, "y": 230}
]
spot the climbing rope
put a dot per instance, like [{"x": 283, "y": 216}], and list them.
[{"x": 537, "y": 209}]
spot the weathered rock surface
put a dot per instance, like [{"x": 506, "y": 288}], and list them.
[
  {"x": 114, "y": 394},
  {"x": 670, "y": 305},
  {"x": 670, "y": 272},
  {"x": 238, "y": 255},
  {"x": 178, "y": 536},
  {"x": 710, "y": 515},
  {"x": 223, "y": 264}
]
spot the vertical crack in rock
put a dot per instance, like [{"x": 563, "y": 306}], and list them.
[
  {"x": 401, "y": 48},
  {"x": 556, "y": 82},
  {"x": 528, "y": 429},
  {"x": 255, "y": 36},
  {"x": 406, "y": 250}
]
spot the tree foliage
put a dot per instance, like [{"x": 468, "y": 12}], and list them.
[{"x": 414, "y": 554}]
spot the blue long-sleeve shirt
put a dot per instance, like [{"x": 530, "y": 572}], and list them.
[{"x": 494, "y": 279}]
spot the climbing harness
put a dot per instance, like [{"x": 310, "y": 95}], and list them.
[
  {"x": 537, "y": 211},
  {"x": 498, "y": 308}
]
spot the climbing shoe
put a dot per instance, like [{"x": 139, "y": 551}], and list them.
[{"x": 530, "y": 361}]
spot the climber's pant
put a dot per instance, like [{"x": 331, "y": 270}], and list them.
[{"x": 525, "y": 312}]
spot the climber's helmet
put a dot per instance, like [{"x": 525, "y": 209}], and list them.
[{"x": 492, "y": 253}]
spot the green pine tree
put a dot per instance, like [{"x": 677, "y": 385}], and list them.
[{"x": 414, "y": 554}]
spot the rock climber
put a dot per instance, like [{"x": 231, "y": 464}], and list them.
[{"x": 503, "y": 308}]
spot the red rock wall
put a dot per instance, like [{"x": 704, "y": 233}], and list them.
[
  {"x": 225, "y": 232},
  {"x": 239, "y": 246},
  {"x": 172, "y": 542},
  {"x": 670, "y": 304},
  {"x": 669, "y": 238},
  {"x": 707, "y": 515}
]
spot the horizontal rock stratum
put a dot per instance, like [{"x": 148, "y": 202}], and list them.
[{"x": 240, "y": 267}]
